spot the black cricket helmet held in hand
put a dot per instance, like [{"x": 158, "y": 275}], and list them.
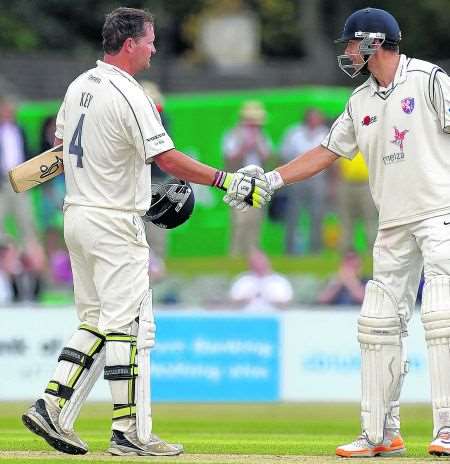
[{"x": 172, "y": 203}]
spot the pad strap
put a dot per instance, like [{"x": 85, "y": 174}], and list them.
[
  {"x": 121, "y": 372},
  {"x": 57, "y": 389},
  {"x": 76, "y": 357},
  {"x": 125, "y": 375},
  {"x": 84, "y": 360},
  {"x": 123, "y": 411},
  {"x": 92, "y": 330}
]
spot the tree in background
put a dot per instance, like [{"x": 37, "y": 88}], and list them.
[{"x": 289, "y": 28}]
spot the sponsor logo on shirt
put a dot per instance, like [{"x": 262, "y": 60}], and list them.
[
  {"x": 408, "y": 105},
  {"x": 156, "y": 137},
  {"x": 399, "y": 137},
  {"x": 95, "y": 79},
  {"x": 393, "y": 158},
  {"x": 368, "y": 120}
]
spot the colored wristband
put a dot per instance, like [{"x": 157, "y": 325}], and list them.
[{"x": 220, "y": 179}]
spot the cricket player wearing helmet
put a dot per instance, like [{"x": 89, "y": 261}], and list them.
[
  {"x": 400, "y": 120},
  {"x": 111, "y": 132}
]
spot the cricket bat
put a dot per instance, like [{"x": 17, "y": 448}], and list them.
[{"x": 37, "y": 170}]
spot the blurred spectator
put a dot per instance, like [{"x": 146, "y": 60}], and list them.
[
  {"x": 12, "y": 153},
  {"x": 52, "y": 192},
  {"x": 247, "y": 144},
  {"x": 9, "y": 269},
  {"x": 347, "y": 287},
  {"x": 20, "y": 274},
  {"x": 355, "y": 201},
  {"x": 30, "y": 255},
  {"x": 260, "y": 288},
  {"x": 156, "y": 236},
  {"x": 310, "y": 194},
  {"x": 58, "y": 258}
]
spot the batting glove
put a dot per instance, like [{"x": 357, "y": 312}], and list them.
[
  {"x": 273, "y": 178},
  {"x": 243, "y": 190},
  {"x": 251, "y": 170}
]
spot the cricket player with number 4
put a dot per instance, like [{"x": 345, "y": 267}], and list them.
[
  {"x": 400, "y": 120},
  {"x": 111, "y": 133}
]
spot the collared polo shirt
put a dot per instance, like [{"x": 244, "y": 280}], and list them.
[
  {"x": 403, "y": 133},
  {"x": 111, "y": 130}
]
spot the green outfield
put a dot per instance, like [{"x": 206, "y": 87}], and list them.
[{"x": 223, "y": 433}]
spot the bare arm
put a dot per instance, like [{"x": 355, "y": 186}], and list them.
[
  {"x": 305, "y": 166},
  {"x": 179, "y": 165}
]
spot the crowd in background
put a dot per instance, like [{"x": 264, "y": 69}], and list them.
[{"x": 33, "y": 263}]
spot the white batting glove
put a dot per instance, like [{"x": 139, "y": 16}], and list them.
[
  {"x": 254, "y": 171},
  {"x": 272, "y": 178},
  {"x": 243, "y": 190}
]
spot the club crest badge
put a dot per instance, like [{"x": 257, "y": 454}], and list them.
[{"x": 408, "y": 105}]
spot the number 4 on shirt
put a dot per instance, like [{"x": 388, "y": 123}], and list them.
[{"x": 75, "y": 147}]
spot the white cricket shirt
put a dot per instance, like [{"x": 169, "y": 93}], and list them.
[
  {"x": 403, "y": 133},
  {"x": 111, "y": 130}
]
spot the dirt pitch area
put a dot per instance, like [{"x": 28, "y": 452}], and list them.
[{"x": 26, "y": 456}]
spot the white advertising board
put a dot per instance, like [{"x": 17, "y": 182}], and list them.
[
  {"x": 320, "y": 358},
  {"x": 317, "y": 355},
  {"x": 31, "y": 341}
]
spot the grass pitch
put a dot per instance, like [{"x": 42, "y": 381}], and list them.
[{"x": 222, "y": 433}]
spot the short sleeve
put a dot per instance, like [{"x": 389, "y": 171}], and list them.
[
  {"x": 441, "y": 98},
  {"x": 60, "y": 121},
  {"x": 147, "y": 131},
  {"x": 341, "y": 139}
]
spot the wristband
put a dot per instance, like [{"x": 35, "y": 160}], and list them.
[{"x": 221, "y": 180}]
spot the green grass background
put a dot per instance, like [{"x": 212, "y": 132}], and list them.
[{"x": 264, "y": 429}]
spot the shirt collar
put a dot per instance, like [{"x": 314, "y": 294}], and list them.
[
  {"x": 114, "y": 69},
  {"x": 400, "y": 77}
]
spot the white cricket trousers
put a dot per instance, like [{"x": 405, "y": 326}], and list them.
[
  {"x": 109, "y": 256},
  {"x": 400, "y": 253}
]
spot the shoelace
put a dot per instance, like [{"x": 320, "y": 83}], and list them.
[{"x": 361, "y": 442}]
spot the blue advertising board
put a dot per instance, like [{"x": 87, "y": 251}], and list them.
[{"x": 216, "y": 357}]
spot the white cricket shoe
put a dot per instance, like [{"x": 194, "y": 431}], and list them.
[
  {"x": 440, "y": 446},
  {"x": 42, "y": 420},
  {"x": 363, "y": 449},
  {"x": 128, "y": 444}
]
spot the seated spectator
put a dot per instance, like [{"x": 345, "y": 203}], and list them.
[
  {"x": 260, "y": 288},
  {"x": 347, "y": 288}
]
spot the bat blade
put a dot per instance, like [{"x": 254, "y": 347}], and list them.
[{"x": 37, "y": 170}]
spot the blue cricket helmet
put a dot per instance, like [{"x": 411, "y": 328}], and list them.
[{"x": 371, "y": 20}]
